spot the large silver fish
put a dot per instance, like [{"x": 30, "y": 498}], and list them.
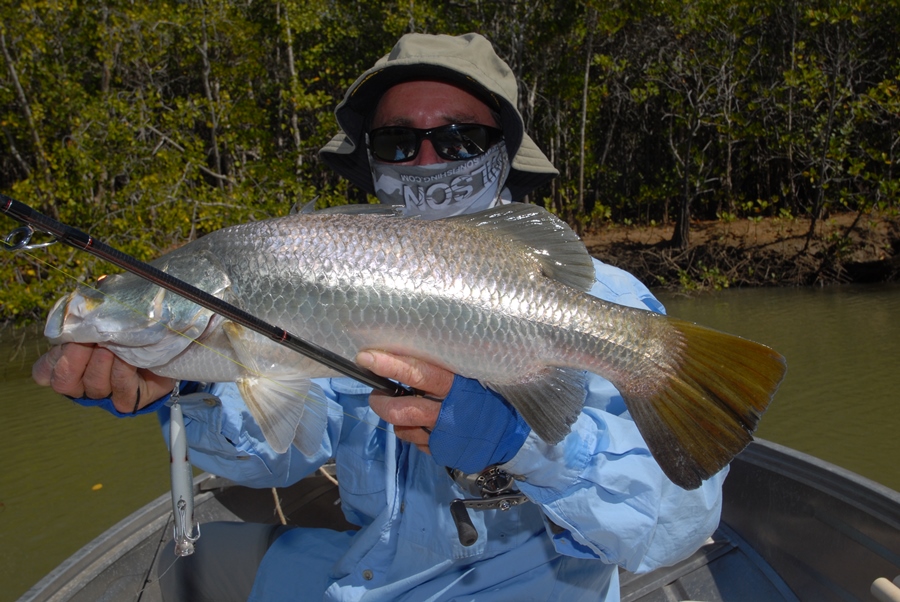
[{"x": 498, "y": 296}]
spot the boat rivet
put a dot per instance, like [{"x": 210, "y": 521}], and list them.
[{"x": 367, "y": 575}]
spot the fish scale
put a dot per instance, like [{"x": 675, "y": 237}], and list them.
[
  {"x": 499, "y": 296},
  {"x": 372, "y": 269}
]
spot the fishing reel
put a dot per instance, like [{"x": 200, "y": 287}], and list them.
[{"x": 495, "y": 490}]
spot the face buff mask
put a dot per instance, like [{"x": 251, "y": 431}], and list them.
[{"x": 444, "y": 189}]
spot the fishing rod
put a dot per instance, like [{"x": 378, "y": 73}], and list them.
[{"x": 36, "y": 221}]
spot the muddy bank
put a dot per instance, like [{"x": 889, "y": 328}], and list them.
[{"x": 767, "y": 252}]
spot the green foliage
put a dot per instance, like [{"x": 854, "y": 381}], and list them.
[
  {"x": 149, "y": 124},
  {"x": 702, "y": 277}
]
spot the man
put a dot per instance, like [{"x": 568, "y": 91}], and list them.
[{"x": 433, "y": 126}]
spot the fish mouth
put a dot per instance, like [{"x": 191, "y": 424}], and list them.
[
  {"x": 54, "y": 329},
  {"x": 73, "y": 319}
]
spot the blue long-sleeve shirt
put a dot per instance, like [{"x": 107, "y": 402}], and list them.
[{"x": 599, "y": 500}]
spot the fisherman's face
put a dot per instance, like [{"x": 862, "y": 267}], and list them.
[{"x": 429, "y": 104}]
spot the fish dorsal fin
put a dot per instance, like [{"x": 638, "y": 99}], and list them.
[
  {"x": 304, "y": 208},
  {"x": 355, "y": 209},
  {"x": 559, "y": 251}
]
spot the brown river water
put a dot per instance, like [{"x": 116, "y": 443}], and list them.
[{"x": 68, "y": 473}]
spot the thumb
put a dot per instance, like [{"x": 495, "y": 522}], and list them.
[{"x": 418, "y": 374}]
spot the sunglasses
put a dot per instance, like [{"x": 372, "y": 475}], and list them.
[{"x": 453, "y": 142}]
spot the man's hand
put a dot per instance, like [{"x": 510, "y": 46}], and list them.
[
  {"x": 79, "y": 370},
  {"x": 409, "y": 415}
]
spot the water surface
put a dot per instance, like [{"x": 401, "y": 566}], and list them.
[
  {"x": 840, "y": 400},
  {"x": 67, "y": 473}
]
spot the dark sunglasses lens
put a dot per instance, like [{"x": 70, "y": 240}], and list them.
[
  {"x": 453, "y": 142},
  {"x": 464, "y": 141},
  {"x": 393, "y": 144}
]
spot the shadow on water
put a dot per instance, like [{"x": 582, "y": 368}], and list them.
[{"x": 67, "y": 473}]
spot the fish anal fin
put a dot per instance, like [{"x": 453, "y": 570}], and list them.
[
  {"x": 549, "y": 402},
  {"x": 704, "y": 412}
]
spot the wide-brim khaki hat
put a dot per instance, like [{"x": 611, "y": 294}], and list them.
[{"x": 468, "y": 61}]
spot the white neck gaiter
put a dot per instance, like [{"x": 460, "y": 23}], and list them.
[{"x": 444, "y": 189}]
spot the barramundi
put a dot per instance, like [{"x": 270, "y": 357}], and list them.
[{"x": 499, "y": 296}]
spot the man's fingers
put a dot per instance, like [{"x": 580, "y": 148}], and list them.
[
  {"x": 43, "y": 367},
  {"x": 414, "y": 435},
  {"x": 97, "y": 379},
  {"x": 132, "y": 389},
  {"x": 63, "y": 368},
  {"x": 414, "y": 372},
  {"x": 406, "y": 411},
  {"x": 125, "y": 384},
  {"x": 89, "y": 371},
  {"x": 413, "y": 417},
  {"x": 156, "y": 386}
]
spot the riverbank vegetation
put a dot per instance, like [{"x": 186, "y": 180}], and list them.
[
  {"x": 149, "y": 124},
  {"x": 772, "y": 251}
]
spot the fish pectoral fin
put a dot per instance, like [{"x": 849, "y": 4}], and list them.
[
  {"x": 549, "y": 402},
  {"x": 310, "y": 431},
  {"x": 706, "y": 410},
  {"x": 288, "y": 410}
]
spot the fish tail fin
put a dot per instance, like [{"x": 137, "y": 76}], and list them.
[{"x": 705, "y": 409}]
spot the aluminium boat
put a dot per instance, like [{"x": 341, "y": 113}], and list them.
[{"x": 793, "y": 528}]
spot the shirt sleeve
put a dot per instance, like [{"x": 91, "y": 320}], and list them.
[{"x": 603, "y": 494}]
